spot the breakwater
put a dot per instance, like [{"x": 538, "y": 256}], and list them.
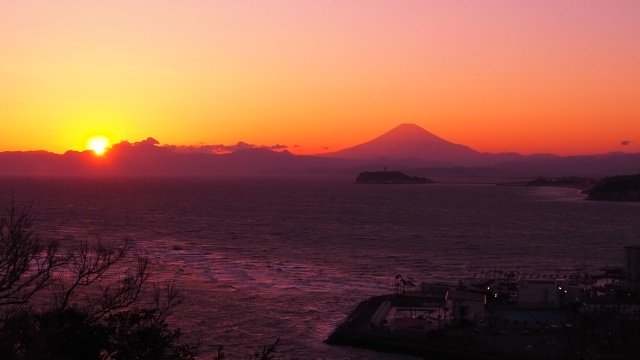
[{"x": 451, "y": 343}]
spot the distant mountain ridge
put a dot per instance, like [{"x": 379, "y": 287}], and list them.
[
  {"x": 410, "y": 141},
  {"x": 407, "y": 147}
]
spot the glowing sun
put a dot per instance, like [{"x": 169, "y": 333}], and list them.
[{"x": 98, "y": 144}]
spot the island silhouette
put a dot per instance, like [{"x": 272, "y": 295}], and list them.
[{"x": 390, "y": 177}]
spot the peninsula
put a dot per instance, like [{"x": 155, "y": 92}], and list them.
[
  {"x": 574, "y": 182},
  {"x": 616, "y": 188}
]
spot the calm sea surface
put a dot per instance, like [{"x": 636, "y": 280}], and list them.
[{"x": 259, "y": 259}]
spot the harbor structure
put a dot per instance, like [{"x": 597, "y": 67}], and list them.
[{"x": 506, "y": 315}]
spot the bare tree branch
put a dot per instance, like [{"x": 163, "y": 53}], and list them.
[
  {"x": 125, "y": 292},
  {"x": 107, "y": 320},
  {"x": 27, "y": 265},
  {"x": 165, "y": 298},
  {"x": 87, "y": 266}
]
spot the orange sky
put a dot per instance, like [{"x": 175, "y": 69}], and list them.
[{"x": 527, "y": 76}]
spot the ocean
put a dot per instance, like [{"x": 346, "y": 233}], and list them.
[{"x": 265, "y": 258}]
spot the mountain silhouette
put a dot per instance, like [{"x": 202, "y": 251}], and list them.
[
  {"x": 410, "y": 141},
  {"x": 406, "y": 147}
]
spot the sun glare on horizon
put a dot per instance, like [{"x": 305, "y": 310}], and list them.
[{"x": 98, "y": 144}]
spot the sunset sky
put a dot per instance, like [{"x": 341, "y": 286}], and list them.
[{"x": 527, "y": 76}]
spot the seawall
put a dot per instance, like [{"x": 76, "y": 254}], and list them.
[{"x": 454, "y": 344}]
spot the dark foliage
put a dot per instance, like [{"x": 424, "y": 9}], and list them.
[
  {"x": 83, "y": 315},
  {"x": 617, "y": 188},
  {"x": 70, "y": 334},
  {"x": 86, "y": 317}
]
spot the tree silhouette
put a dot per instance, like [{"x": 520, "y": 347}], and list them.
[
  {"x": 398, "y": 283},
  {"x": 88, "y": 317},
  {"x": 27, "y": 264},
  {"x": 409, "y": 284}
]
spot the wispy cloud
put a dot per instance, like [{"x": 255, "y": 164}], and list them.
[
  {"x": 200, "y": 148},
  {"x": 148, "y": 142}
]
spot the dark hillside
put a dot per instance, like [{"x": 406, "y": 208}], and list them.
[{"x": 617, "y": 188}]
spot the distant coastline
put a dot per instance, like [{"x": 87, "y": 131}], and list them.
[
  {"x": 573, "y": 182},
  {"x": 613, "y": 188},
  {"x": 390, "y": 177}
]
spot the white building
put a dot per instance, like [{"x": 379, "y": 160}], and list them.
[
  {"x": 473, "y": 302},
  {"x": 539, "y": 293}
]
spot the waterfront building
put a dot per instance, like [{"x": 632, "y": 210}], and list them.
[
  {"x": 467, "y": 305},
  {"x": 539, "y": 293},
  {"x": 434, "y": 290}
]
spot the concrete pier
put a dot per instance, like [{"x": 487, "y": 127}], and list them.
[{"x": 470, "y": 343}]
